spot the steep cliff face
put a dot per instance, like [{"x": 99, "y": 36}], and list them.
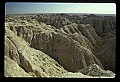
[{"x": 32, "y": 44}]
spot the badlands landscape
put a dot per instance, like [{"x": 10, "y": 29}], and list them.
[{"x": 60, "y": 46}]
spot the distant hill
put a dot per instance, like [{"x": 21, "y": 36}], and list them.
[{"x": 92, "y": 13}]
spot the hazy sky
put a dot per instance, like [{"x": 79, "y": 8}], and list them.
[{"x": 25, "y": 7}]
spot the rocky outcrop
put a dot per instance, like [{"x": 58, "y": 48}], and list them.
[
  {"x": 70, "y": 54},
  {"x": 34, "y": 62},
  {"x": 12, "y": 69},
  {"x": 47, "y": 39},
  {"x": 23, "y": 61},
  {"x": 94, "y": 70},
  {"x": 100, "y": 24},
  {"x": 53, "y": 19},
  {"x": 80, "y": 75},
  {"x": 32, "y": 44}
]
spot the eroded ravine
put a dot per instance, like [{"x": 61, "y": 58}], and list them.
[{"x": 72, "y": 46}]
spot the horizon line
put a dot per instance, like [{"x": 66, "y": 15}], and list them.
[{"x": 59, "y": 13}]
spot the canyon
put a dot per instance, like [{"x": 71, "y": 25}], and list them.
[{"x": 60, "y": 46}]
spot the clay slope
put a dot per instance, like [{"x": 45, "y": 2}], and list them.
[
  {"x": 101, "y": 24},
  {"x": 83, "y": 30},
  {"x": 106, "y": 51}
]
